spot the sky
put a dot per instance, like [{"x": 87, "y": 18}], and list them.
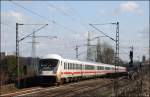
[{"x": 69, "y": 21}]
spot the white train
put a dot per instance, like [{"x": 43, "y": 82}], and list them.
[{"x": 54, "y": 68}]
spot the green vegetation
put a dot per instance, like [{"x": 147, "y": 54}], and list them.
[{"x": 9, "y": 69}]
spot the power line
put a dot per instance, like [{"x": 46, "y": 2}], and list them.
[
  {"x": 102, "y": 32},
  {"x": 42, "y": 17},
  {"x": 71, "y": 17},
  {"x": 27, "y": 9},
  {"x": 82, "y": 19}
]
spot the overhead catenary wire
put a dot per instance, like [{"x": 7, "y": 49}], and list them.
[
  {"x": 102, "y": 32},
  {"x": 42, "y": 17},
  {"x": 71, "y": 17},
  {"x": 79, "y": 16}
]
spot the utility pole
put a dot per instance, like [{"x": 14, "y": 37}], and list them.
[
  {"x": 17, "y": 47},
  {"x": 17, "y": 54},
  {"x": 76, "y": 52},
  {"x": 88, "y": 47},
  {"x": 116, "y": 52},
  {"x": 98, "y": 50},
  {"x": 131, "y": 57},
  {"x": 116, "y": 58},
  {"x": 33, "y": 53}
]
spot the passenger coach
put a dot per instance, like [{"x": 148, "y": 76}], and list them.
[{"x": 54, "y": 68}]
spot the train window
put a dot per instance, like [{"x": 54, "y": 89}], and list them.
[
  {"x": 79, "y": 66},
  {"x": 107, "y": 68},
  {"x": 101, "y": 67},
  {"x": 86, "y": 67},
  {"x": 61, "y": 63},
  {"x": 89, "y": 67},
  {"x": 68, "y": 66},
  {"x": 73, "y": 66},
  {"x": 83, "y": 66},
  {"x": 76, "y": 66},
  {"x": 64, "y": 65},
  {"x": 92, "y": 67}
]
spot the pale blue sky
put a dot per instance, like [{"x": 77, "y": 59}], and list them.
[{"x": 72, "y": 24}]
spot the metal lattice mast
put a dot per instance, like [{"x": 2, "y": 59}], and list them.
[
  {"x": 98, "y": 56},
  {"x": 116, "y": 52},
  {"x": 88, "y": 47},
  {"x": 33, "y": 51},
  {"x": 77, "y": 55},
  {"x": 116, "y": 59},
  {"x": 17, "y": 52},
  {"x": 17, "y": 47}
]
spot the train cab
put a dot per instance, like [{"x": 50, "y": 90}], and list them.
[{"x": 48, "y": 67}]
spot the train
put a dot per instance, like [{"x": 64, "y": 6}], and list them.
[{"x": 54, "y": 68}]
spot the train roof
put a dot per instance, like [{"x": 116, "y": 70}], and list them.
[
  {"x": 56, "y": 56},
  {"x": 52, "y": 56}
]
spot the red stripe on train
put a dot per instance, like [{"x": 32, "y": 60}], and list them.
[{"x": 86, "y": 72}]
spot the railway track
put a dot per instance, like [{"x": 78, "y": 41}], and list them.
[
  {"x": 81, "y": 89},
  {"x": 20, "y": 92}
]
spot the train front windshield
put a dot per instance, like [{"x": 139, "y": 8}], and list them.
[{"x": 48, "y": 64}]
